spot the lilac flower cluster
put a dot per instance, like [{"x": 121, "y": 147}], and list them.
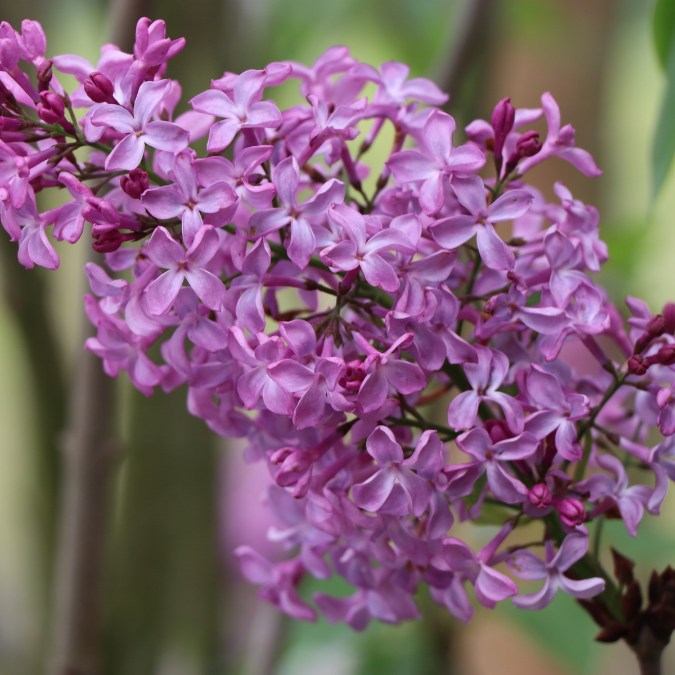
[{"x": 407, "y": 343}]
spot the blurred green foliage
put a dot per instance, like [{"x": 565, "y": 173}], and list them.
[{"x": 663, "y": 148}]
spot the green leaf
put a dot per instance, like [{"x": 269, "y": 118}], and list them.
[
  {"x": 664, "y": 29},
  {"x": 663, "y": 148}
]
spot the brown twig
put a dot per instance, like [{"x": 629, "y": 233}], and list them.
[
  {"x": 469, "y": 47},
  {"x": 89, "y": 453}
]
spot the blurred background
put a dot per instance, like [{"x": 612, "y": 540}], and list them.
[{"x": 181, "y": 500}]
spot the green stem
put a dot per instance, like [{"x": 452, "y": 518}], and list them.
[{"x": 424, "y": 425}]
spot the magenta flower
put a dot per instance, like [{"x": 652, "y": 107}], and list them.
[
  {"x": 397, "y": 488},
  {"x": 528, "y": 566},
  {"x": 279, "y": 582},
  {"x": 359, "y": 251},
  {"x": 256, "y": 382},
  {"x": 242, "y": 109},
  {"x": 34, "y": 245},
  {"x": 452, "y": 232},
  {"x": 395, "y": 87},
  {"x": 120, "y": 350},
  {"x": 490, "y": 585},
  {"x": 493, "y": 458},
  {"x": 244, "y": 173},
  {"x": 559, "y": 143},
  {"x": 182, "y": 265},
  {"x": 485, "y": 377},
  {"x": 558, "y": 412},
  {"x": 286, "y": 178},
  {"x": 316, "y": 388},
  {"x": 606, "y": 491},
  {"x": 138, "y": 129},
  {"x": 187, "y": 199},
  {"x": 385, "y": 371},
  {"x": 437, "y": 162}
]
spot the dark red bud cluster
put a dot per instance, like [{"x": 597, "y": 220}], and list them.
[
  {"x": 637, "y": 365},
  {"x": 643, "y": 628}
]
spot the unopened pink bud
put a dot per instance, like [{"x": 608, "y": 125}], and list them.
[
  {"x": 666, "y": 355},
  {"x": 44, "y": 73},
  {"x": 503, "y": 117},
  {"x": 135, "y": 184},
  {"x": 498, "y": 430},
  {"x": 540, "y": 496},
  {"x": 107, "y": 242},
  {"x": 528, "y": 144},
  {"x": 99, "y": 88},
  {"x": 53, "y": 101},
  {"x": 656, "y": 325}
]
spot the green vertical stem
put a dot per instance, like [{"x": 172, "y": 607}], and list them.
[{"x": 89, "y": 454}]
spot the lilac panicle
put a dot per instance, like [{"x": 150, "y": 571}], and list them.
[{"x": 319, "y": 303}]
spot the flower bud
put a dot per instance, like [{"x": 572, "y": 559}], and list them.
[
  {"x": 352, "y": 376},
  {"x": 135, "y": 183},
  {"x": 669, "y": 318},
  {"x": 540, "y": 496},
  {"x": 642, "y": 343},
  {"x": 655, "y": 326},
  {"x": 571, "y": 512},
  {"x": 666, "y": 355},
  {"x": 503, "y": 117},
  {"x": 44, "y": 74},
  {"x": 107, "y": 242},
  {"x": 53, "y": 102},
  {"x": 636, "y": 365},
  {"x": 12, "y": 124},
  {"x": 498, "y": 430},
  {"x": 528, "y": 144},
  {"x": 99, "y": 88}
]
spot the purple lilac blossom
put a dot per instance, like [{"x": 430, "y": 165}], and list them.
[{"x": 325, "y": 307}]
